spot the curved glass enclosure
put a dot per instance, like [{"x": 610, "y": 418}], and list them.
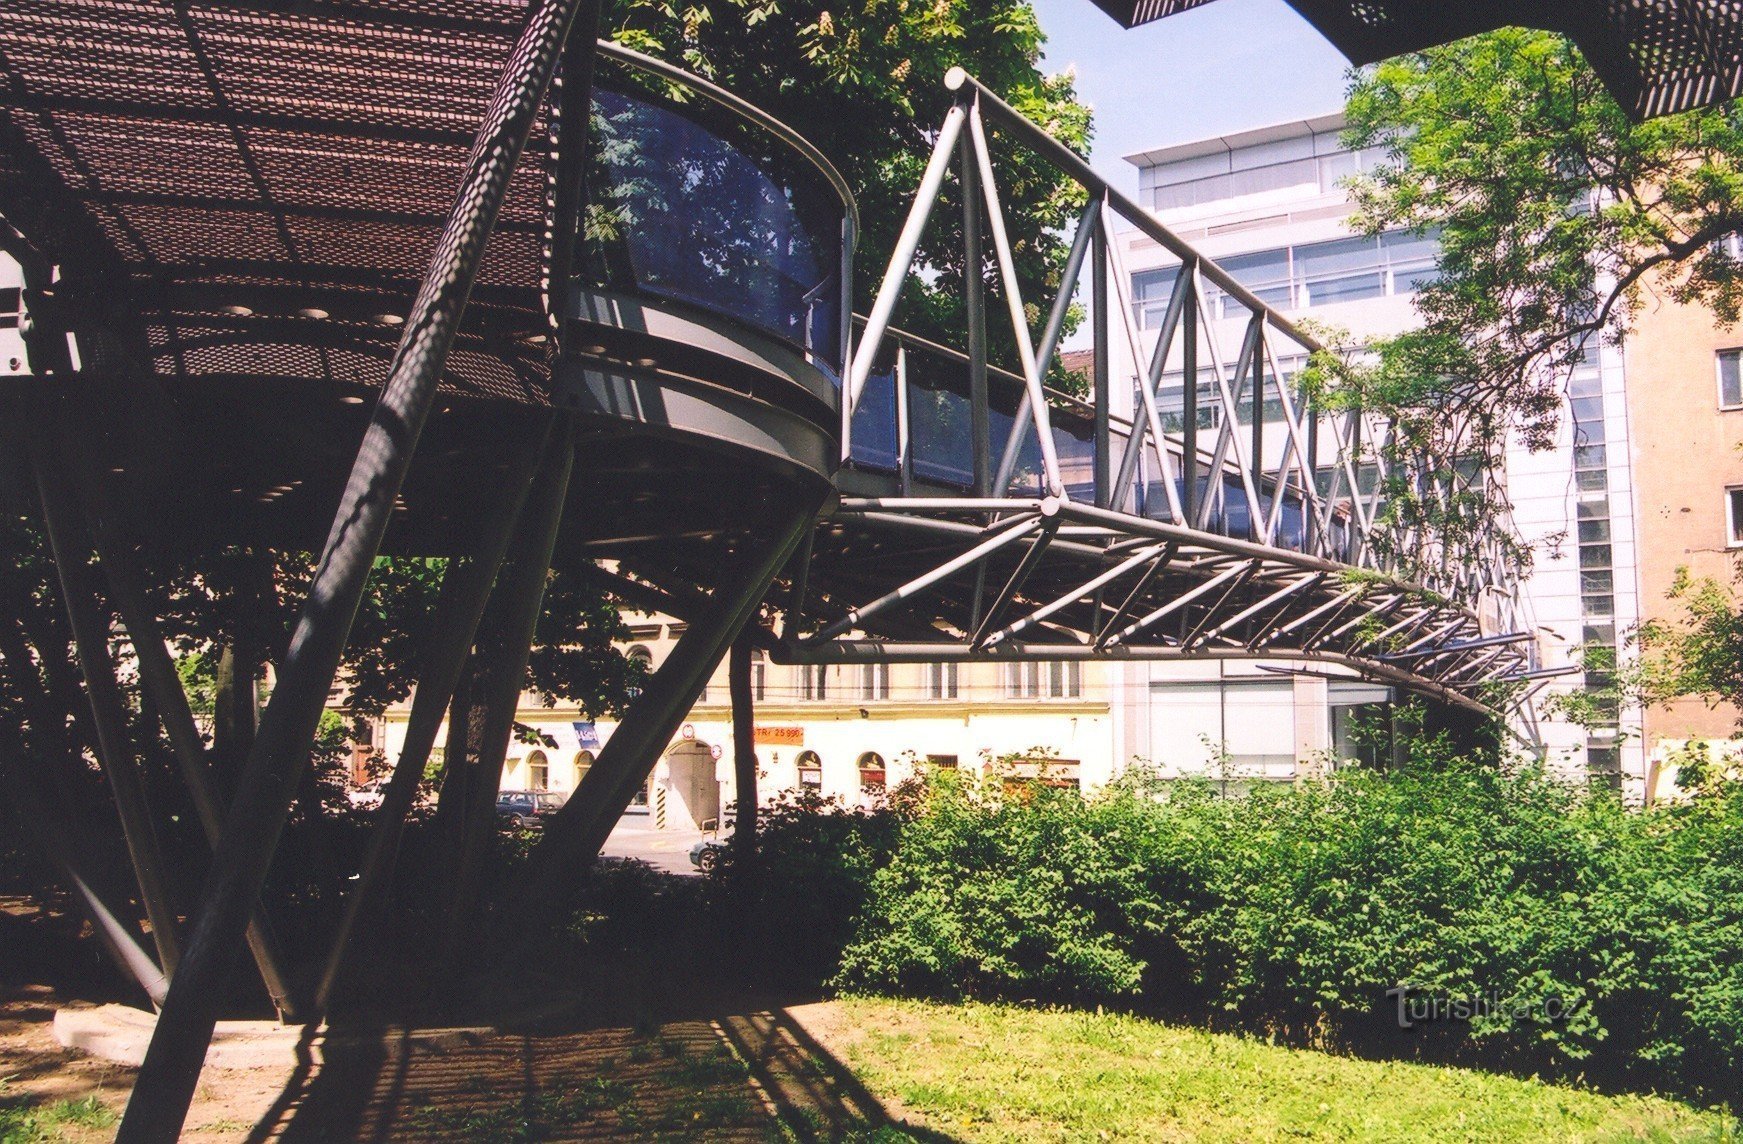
[{"x": 694, "y": 198}]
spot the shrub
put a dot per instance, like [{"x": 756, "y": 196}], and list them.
[{"x": 1295, "y": 909}]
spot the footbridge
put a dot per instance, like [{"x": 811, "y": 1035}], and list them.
[{"x": 365, "y": 277}]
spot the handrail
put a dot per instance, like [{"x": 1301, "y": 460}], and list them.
[
  {"x": 1073, "y": 164},
  {"x": 610, "y": 49}
]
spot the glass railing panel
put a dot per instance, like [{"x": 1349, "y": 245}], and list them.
[
  {"x": 940, "y": 420},
  {"x": 875, "y": 440},
  {"x": 689, "y": 202},
  {"x": 1074, "y": 442}
]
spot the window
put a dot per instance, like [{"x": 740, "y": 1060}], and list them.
[
  {"x": 10, "y": 307},
  {"x": 872, "y": 773},
  {"x": 1734, "y": 517},
  {"x": 642, "y": 660},
  {"x": 1055, "y": 680},
  {"x": 1730, "y": 379},
  {"x": 941, "y": 681},
  {"x": 874, "y": 681},
  {"x": 538, "y": 771},
  {"x": 1151, "y": 290},
  {"x": 1264, "y": 272},
  {"x": 583, "y": 764},
  {"x": 814, "y": 681},
  {"x": 1235, "y": 729},
  {"x": 1343, "y": 270},
  {"x": 759, "y": 675},
  {"x": 1311, "y": 274},
  {"x": 810, "y": 770},
  {"x": 943, "y": 762}
]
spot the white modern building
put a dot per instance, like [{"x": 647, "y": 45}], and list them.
[{"x": 1270, "y": 207}]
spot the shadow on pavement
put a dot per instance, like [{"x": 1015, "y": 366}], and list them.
[{"x": 754, "y": 1075}]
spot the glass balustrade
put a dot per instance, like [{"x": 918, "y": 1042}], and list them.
[
  {"x": 941, "y": 448},
  {"x": 691, "y": 201}
]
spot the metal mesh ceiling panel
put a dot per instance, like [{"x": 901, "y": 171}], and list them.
[
  {"x": 256, "y": 192},
  {"x": 1656, "y": 56}
]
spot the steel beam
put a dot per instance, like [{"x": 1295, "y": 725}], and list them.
[
  {"x": 571, "y": 838},
  {"x": 1053, "y": 483},
  {"x": 171, "y": 1068},
  {"x": 466, "y": 586},
  {"x": 1156, "y": 555},
  {"x": 1100, "y": 394},
  {"x": 54, "y": 837},
  {"x": 503, "y": 646},
  {"x": 1019, "y": 528},
  {"x": 877, "y": 321},
  {"x": 1238, "y": 573},
  {"x": 974, "y": 307},
  {"x": 108, "y": 707},
  {"x": 1020, "y": 576},
  {"x": 160, "y": 681},
  {"x": 744, "y": 751}
]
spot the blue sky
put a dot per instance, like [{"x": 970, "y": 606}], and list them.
[{"x": 1224, "y": 67}]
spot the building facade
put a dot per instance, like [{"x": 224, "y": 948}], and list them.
[
  {"x": 1270, "y": 207},
  {"x": 1686, "y": 440},
  {"x": 845, "y": 731}
]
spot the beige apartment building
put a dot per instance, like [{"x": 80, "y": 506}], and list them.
[
  {"x": 846, "y": 731},
  {"x": 1685, "y": 407}
]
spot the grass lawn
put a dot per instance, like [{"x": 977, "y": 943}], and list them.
[
  {"x": 982, "y": 1072},
  {"x": 69, "y": 1120}
]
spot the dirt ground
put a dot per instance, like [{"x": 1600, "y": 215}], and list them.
[
  {"x": 613, "y": 1052},
  {"x": 751, "y": 1076}
]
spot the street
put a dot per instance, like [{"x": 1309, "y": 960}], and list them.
[{"x": 668, "y": 850}]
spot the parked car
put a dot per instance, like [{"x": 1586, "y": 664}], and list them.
[
  {"x": 706, "y": 854},
  {"x": 526, "y": 808},
  {"x": 367, "y": 796}
]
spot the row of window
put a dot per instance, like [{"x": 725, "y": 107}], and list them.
[
  {"x": 1597, "y": 560},
  {"x": 1327, "y": 171},
  {"x": 870, "y": 682},
  {"x": 1304, "y": 275}
]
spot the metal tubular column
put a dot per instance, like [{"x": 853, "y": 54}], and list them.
[
  {"x": 465, "y": 590},
  {"x": 108, "y": 708},
  {"x": 158, "y": 679},
  {"x": 1101, "y": 396},
  {"x": 504, "y": 643},
  {"x": 171, "y": 1070},
  {"x": 57, "y": 840},
  {"x": 744, "y": 756},
  {"x": 974, "y": 304},
  {"x": 573, "y": 836}
]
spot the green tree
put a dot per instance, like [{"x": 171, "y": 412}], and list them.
[{"x": 1557, "y": 218}]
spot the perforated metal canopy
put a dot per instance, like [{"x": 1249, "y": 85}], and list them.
[
  {"x": 1656, "y": 56},
  {"x": 256, "y": 190}
]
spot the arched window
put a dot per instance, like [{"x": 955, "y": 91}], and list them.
[
  {"x": 871, "y": 772},
  {"x": 538, "y": 771},
  {"x": 643, "y": 659},
  {"x": 810, "y": 770},
  {"x": 583, "y": 764}
]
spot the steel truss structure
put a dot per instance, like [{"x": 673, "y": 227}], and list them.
[
  {"x": 255, "y": 221},
  {"x": 1085, "y": 535}
]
